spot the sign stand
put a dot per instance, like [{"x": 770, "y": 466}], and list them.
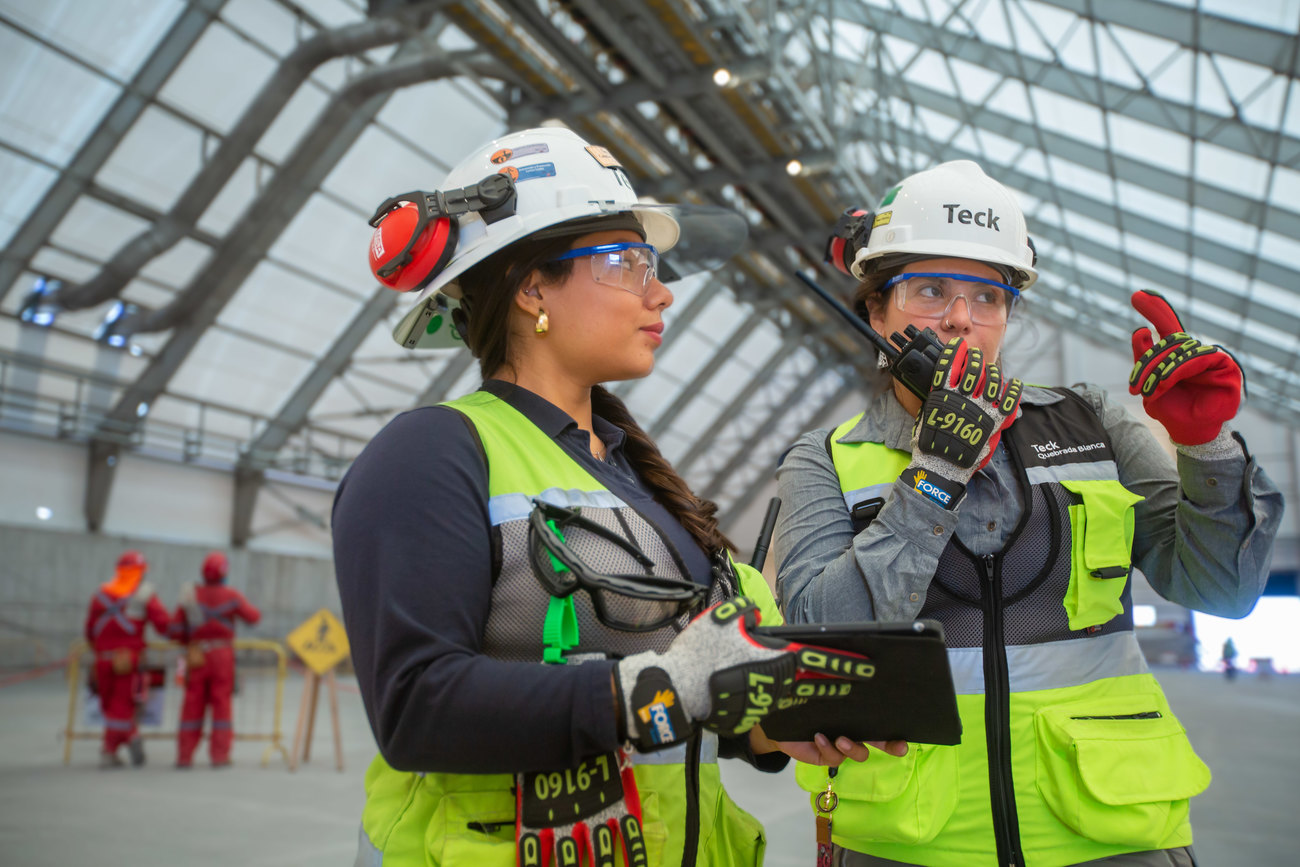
[{"x": 322, "y": 643}]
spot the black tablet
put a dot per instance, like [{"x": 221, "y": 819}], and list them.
[{"x": 909, "y": 697}]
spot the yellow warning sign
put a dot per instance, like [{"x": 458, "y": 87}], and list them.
[{"x": 321, "y": 641}]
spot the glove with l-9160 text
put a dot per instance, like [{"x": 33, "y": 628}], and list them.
[
  {"x": 719, "y": 675},
  {"x": 960, "y": 423},
  {"x": 1190, "y": 387}
]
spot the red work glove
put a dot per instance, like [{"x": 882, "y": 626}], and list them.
[{"x": 1190, "y": 387}]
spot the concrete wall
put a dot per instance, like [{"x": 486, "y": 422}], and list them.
[{"x": 48, "y": 576}]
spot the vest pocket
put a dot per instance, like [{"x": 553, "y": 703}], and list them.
[
  {"x": 1101, "y": 550},
  {"x": 1117, "y": 770},
  {"x": 472, "y": 828},
  {"x": 888, "y": 799},
  {"x": 737, "y": 838}
]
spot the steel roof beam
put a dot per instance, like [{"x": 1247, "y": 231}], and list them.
[
  {"x": 1217, "y": 34},
  {"x": 690, "y": 390},
  {"x": 761, "y": 430},
  {"x": 212, "y": 178},
  {"x": 1144, "y": 174},
  {"x": 80, "y": 172},
  {"x": 740, "y": 402},
  {"x": 1230, "y": 133},
  {"x": 761, "y": 478},
  {"x": 352, "y": 108}
]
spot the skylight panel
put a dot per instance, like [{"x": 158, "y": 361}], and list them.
[
  {"x": 288, "y": 308},
  {"x": 178, "y": 265},
  {"x": 24, "y": 183},
  {"x": 95, "y": 229},
  {"x": 1026, "y": 33},
  {"x": 156, "y": 159},
  {"x": 294, "y": 119},
  {"x": 1159, "y": 254},
  {"x": 1076, "y": 223},
  {"x": 1115, "y": 67},
  {"x": 116, "y": 37},
  {"x": 1149, "y": 143},
  {"x": 48, "y": 104},
  {"x": 1071, "y": 117},
  {"x": 218, "y": 78},
  {"x": 1075, "y": 177},
  {"x": 974, "y": 83},
  {"x": 327, "y": 239},
  {"x": 1231, "y": 170},
  {"x": 1148, "y": 53},
  {"x": 1173, "y": 80},
  {"x": 275, "y": 26},
  {"x": 377, "y": 166},
  {"x": 1281, "y": 15},
  {"x": 990, "y": 23},
  {"x": 1163, "y": 209},
  {"x": 233, "y": 199},
  {"x": 229, "y": 369},
  {"x": 421, "y": 113}
]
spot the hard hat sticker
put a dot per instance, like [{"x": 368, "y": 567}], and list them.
[
  {"x": 882, "y": 219},
  {"x": 505, "y": 155},
  {"x": 603, "y": 156},
  {"x": 527, "y": 173},
  {"x": 889, "y": 197}
]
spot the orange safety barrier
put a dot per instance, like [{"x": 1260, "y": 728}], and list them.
[{"x": 80, "y": 649}]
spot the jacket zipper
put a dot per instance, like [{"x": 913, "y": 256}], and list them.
[
  {"x": 997, "y": 714},
  {"x": 692, "y": 845}
]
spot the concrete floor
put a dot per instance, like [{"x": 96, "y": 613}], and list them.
[{"x": 56, "y": 815}]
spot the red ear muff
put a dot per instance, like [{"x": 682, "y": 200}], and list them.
[
  {"x": 850, "y": 235},
  {"x": 401, "y": 260},
  {"x": 415, "y": 233}
]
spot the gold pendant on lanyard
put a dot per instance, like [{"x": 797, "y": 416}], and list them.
[{"x": 827, "y": 801}]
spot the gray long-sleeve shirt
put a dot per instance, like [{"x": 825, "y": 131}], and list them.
[{"x": 1204, "y": 533}]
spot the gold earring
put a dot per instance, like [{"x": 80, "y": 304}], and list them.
[{"x": 543, "y": 323}]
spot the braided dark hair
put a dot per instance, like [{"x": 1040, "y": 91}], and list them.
[{"x": 488, "y": 293}]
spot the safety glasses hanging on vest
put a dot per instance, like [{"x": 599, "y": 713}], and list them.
[
  {"x": 631, "y": 266},
  {"x": 628, "y": 603},
  {"x": 932, "y": 296}
]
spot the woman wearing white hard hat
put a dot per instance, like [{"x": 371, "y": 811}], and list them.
[
  {"x": 1014, "y": 516},
  {"x": 518, "y": 567}
]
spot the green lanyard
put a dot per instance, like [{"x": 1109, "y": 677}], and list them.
[{"x": 560, "y": 629}]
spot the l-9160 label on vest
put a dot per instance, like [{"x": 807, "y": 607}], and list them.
[{"x": 553, "y": 798}]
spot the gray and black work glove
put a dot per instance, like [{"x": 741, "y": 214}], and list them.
[
  {"x": 960, "y": 423},
  {"x": 719, "y": 675}
]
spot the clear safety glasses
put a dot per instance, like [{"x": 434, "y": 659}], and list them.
[
  {"x": 630, "y": 266},
  {"x": 932, "y": 296},
  {"x": 628, "y": 603}
]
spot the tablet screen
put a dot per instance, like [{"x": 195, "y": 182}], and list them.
[{"x": 909, "y": 697}]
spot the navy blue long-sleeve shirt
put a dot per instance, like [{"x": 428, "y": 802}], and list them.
[{"x": 413, "y": 559}]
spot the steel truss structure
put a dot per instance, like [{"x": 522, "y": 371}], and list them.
[{"x": 153, "y": 246}]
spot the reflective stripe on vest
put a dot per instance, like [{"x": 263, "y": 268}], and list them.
[{"x": 114, "y": 610}]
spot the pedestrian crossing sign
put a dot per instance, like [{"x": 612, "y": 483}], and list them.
[{"x": 320, "y": 641}]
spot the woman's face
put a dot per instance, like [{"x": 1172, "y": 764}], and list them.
[
  {"x": 601, "y": 331},
  {"x": 956, "y": 321}
]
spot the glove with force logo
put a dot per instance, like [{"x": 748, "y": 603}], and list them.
[
  {"x": 960, "y": 423},
  {"x": 1190, "y": 387},
  {"x": 717, "y": 674}
]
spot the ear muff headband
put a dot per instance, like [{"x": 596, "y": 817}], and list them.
[
  {"x": 851, "y": 232},
  {"x": 423, "y": 230}
]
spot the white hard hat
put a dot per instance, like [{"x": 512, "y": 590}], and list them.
[
  {"x": 952, "y": 210},
  {"x": 559, "y": 178}
]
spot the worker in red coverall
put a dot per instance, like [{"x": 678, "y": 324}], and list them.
[
  {"x": 115, "y": 628},
  {"x": 206, "y": 619}
]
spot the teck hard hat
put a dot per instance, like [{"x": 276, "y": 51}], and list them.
[
  {"x": 951, "y": 210},
  {"x": 534, "y": 183}
]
